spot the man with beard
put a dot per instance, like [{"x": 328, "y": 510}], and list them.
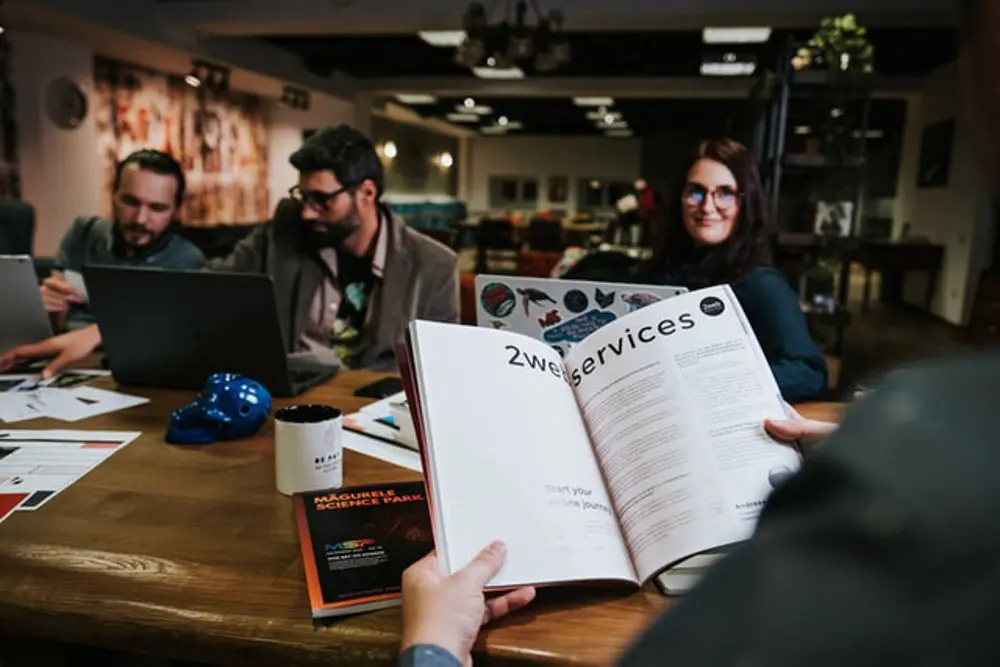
[
  {"x": 148, "y": 192},
  {"x": 349, "y": 275}
]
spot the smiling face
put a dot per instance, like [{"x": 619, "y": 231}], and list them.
[{"x": 710, "y": 203}]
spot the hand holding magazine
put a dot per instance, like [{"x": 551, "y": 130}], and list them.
[{"x": 641, "y": 448}]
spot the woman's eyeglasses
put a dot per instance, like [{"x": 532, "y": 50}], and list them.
[
  {"x": 316, "y": 199},
  {"x": 724, "y": 197}
]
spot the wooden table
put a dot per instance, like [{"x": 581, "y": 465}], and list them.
[{"x": 191, "y": 553}]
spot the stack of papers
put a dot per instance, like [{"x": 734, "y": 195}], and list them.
[
  {"x": 36, "y": 465},
  {"x": 387, "y": 420},
  {"x": 64, "y": 397},
  {"x": 384, "y": 430}
]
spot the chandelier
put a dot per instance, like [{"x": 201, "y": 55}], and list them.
[{"x": 509, "y": 44}]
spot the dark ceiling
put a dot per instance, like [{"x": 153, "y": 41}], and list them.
[
  {"x": 910, "y": 52},
  {"x": 898, "y": 52},
  {"x": 699, "y": 117}
]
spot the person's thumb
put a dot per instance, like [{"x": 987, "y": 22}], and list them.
[
  {"x": 485, "y": 565},
  {"x": 784, "y": 429},
  {"x": 56, "y": 365}
]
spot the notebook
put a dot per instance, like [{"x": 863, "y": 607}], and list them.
[
  {"x": 356, "y": 542},
  {"x": 559, "y": 312}
]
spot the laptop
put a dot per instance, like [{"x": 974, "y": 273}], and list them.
[
  {"x": 24, "y": 318},
  {"x": 172, "y": 329},
  {"x": 559, "y": 312}
]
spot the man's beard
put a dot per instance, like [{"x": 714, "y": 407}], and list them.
[
  {"x": 332, "y": 234},
  {"x": 153, "y": 243}
]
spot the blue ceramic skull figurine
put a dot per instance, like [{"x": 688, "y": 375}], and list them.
[{"x": 229, "y": 407}]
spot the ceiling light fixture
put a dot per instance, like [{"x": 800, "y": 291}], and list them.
[
  {"x": 469, "y": 103},
  {"x": 493, "y": 129},
  {"x": 603, "y": 114},
  {"x": 451, "y": 38},
  {"x": 728, "y": 69},
  {"x": 213, "y": 77},
  {"x": 502, "y": 120},
  {"x": 416, "y": 98},
  {"x": 617, "y": 125},
  {"x": 802, "y": 129},
  {"x": 462, "y": 117},
  {"x": 498, "y": 72},
  {"x": 444, "y": 160},
  {"x": 478, "y": 109},
  {"x": 295, "y": 98},
  {"x": 511, "y": 41},
  {"x": 389, "y": 150},
  {"x": 593, "y": 101},
  {"x": 736, "y": 35}
]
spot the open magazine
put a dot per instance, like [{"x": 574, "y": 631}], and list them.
[{"x": 641, "y": 448}]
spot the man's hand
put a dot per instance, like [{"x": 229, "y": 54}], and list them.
[
  {"x": 67, "y": 349},
  {"x": 797, "y": 427},
  {"x": 58, "y": 295},
  {"x": 448, "y": 611}
]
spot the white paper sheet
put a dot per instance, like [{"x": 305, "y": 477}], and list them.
[
  {"x": 71, "y": 404},
  {"x": 75, "y": 280},
  {"x": 36, "y": 465}
]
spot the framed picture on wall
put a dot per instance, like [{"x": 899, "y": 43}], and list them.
[
  {"x": 935, "y": 154},
  {"x": 558, "y": 189}
]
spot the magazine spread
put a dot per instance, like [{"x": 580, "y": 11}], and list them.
[{"x": 644, "y": 446}]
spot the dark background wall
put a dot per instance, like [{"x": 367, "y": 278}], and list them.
[{"x": 413, "y": 170}]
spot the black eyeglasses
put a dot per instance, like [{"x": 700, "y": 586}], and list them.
[
  {"x": 724, "y": 197},
  {"x": 316, "y": 199}
]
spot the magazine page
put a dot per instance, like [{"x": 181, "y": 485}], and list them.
[
  {"x": 507, "y": 457},
  {"x": 674, "y": 397}
]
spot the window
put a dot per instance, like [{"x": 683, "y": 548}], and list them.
[
  {"x": 595, "y": 193},
  {"x": 529, "y": 190},
  {"x": 508, "y": 191},
  {"x": 513, "y": 192}
]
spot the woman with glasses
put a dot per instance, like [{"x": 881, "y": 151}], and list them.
[{"x": 716, "y": 232}]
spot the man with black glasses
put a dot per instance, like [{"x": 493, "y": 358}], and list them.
[{"x": 349, "y": 274}]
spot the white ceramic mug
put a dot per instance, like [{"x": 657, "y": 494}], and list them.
[{"x": 308, "y": 449}]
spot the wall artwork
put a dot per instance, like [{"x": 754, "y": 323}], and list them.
[
  {"x": 935, "y": 154},
  {"x": 220, "y": 138}
]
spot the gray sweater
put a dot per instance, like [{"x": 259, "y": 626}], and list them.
[{"x": 90, "y": 240}]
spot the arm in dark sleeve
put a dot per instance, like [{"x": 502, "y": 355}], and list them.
[
  {"x": 71, "y": 253},
  {"x": 881, "y": 551},
  {"x": 427, "y": 655},
  {"x": 777, "y": 319},
  {"x": 248, "y": 256}
]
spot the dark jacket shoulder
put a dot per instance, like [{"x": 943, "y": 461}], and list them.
[{"x": 427, "y": 251}]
